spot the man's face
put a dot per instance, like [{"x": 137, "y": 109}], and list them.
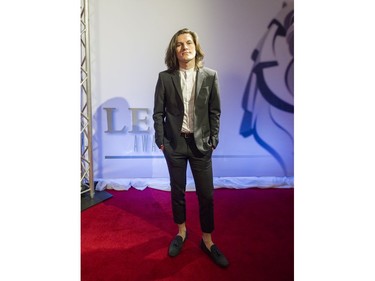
[{"x": 185, "y": 48}]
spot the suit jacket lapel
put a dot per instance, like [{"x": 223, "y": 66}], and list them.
[
  {"x": 200, "y": 78},
  {"x": 177, "y": 83}
]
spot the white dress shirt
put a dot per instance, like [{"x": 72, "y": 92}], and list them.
[{"x": 187, "y": 78}]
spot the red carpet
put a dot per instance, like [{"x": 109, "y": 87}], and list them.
[{"x": 126, "y": 237}]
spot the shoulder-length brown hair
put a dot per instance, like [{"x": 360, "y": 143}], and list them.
[{"x": 170, "y": 55}]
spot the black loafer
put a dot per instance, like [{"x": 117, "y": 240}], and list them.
[
  {"x": 176, "y": 245},
  {"x": 215, "y": 254}
]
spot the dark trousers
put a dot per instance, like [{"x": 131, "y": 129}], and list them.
[{"x": 201, "y": 168}]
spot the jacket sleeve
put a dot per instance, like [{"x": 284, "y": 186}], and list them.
[
  {"x": 214, "y": 112},
  {"x": 159, "y": 111}
]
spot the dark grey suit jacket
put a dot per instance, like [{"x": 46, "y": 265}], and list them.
[{"x": 169, "y": 109}]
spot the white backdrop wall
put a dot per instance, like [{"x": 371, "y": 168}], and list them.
[{"x": 128, "y": 43}]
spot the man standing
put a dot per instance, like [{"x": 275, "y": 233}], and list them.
[{"x": 186, "y": 121}]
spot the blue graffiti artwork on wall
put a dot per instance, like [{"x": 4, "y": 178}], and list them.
[{"x": 269, "y": 93}]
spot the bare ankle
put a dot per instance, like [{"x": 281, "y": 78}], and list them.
[{"x": 207, "y": 239}]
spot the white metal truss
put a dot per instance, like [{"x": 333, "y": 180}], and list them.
[{"x": 87, "y": 177}]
